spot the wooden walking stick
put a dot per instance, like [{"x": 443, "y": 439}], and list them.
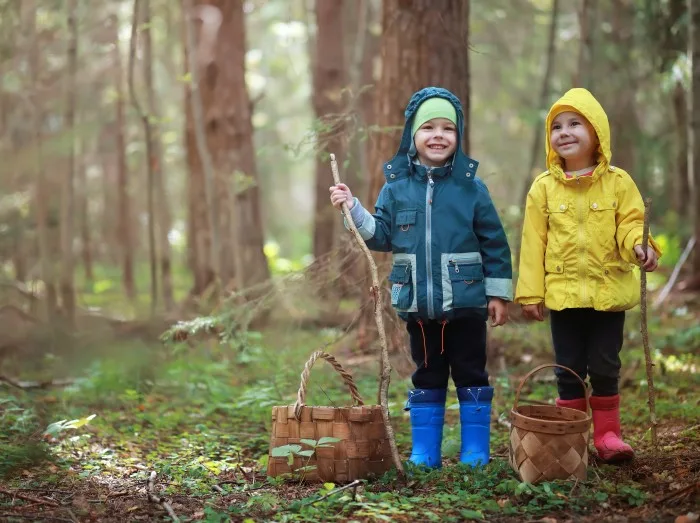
[
  {"x": 385, "y": 374},
  {"x": 645, "y": 332}
]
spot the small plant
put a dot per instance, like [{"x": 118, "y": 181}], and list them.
[
  {"x": 55, "y": 429},
  {"x": 291, "y": 451}
]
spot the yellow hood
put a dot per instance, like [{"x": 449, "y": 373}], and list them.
[{"x": 583, "y": 102}]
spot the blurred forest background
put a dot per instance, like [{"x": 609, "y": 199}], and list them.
[
  {"x": 149, "y": 157},
  {"x": 169, "y": 257}
]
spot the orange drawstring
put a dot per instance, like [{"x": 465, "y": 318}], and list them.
[
  {"x": 425, "y": 349},
  {"x": 442, "y": 337}
]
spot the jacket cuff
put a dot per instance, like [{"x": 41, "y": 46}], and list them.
[
  {"x": 363, "y": 220},
  {"x": 530, "y": 300},
  {"x": 499, "y": 288}
]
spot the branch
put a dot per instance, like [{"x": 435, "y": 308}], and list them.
[
  {"x": 24, "y": 385},
  {"x": 25, "y": 497},
  {"x": 355, "y": 483},
  {"x": 645, "y": 332},
  {"x": 676, "y": 271},
  {"x": 385, "y": 376},
  {"x": 152, "y": 497}
]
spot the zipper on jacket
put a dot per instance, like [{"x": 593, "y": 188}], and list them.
[
  {"x": 428, "y": 241},
  {"x": 581, "y": 242}
]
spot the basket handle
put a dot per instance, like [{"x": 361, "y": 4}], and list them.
[
  {"x": 545, "y": 366},
  {"x": 347, "y": 378}
]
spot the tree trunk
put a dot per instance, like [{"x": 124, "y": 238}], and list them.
[
  {"x": 624, "y": 124},
  {"x": 328, "y": 84},
  {"x": 694, "y": 119},
  {"x": 587, "y": 25},
  {"x": 126, "y": 247},
  {"x": 85, "y": 237},
  {"x": 248, "y": 218},
  {"x": 68, "y": 191},
  {"x": 423, "y": 43},
  {"x": 149, "y": 154},
  {"x": 361, "y": 51},
  {"x": 156, "y": 162},
  {"x": 204, "y": 233},
  {"x": 229, "y": 137},
  {"x": 682, "y": 188},
  {"x": 537, "y": 150}
]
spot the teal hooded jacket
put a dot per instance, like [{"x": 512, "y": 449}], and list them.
[{"x": 450, "y": 252}]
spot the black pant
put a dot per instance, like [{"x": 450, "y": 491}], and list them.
[
  {"x": 588, "y": 342},
  {"x": 464, "y": 343}
]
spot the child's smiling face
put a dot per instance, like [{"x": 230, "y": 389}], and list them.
[
  {"x": 573, "y": 138},
  {"x": 436, "y": 142}
]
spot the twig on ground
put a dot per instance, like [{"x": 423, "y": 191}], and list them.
[
  {"x": 679, "y": 492},
  {"x": 573, "y": 488},
  {"x": 385, "y": 375},
  {"x": 35, "y": 517},
  {"x": 645, "y": 331},
  {"x": 157, "y": 499},
  {"x": 25, "y": 497},
  {"x": 24, "y": 385},
  {"x": 72, "y": 516},
  {"x": 355, "y": 483},
  {"x": 117, "y": 494}
]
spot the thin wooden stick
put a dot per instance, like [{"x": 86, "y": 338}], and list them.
[
  {"x": 645, "y": 332},
  {"x": 385, "y": 376},
  {"x": 25, "y": 497},
  {"x": 152, "y": 497}
]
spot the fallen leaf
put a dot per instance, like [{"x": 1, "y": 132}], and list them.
[{"x": 690, "y": 517}]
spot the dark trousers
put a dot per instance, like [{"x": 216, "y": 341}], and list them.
[
  {"x": 588, "y": 342},
  {"x": 458, "y": 345}
]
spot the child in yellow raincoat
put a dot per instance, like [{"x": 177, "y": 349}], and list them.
[{"x": 584, "y": 221}]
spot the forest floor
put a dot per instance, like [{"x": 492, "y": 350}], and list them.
[{"x": 146, "y": 423}]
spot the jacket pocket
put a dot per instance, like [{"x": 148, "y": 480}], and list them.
[
  {"x": 602, "y": 224},
  {"x": 555, "y": 284},
  {"x": 401, "y": 286},
  {"x": 561, "y": 218},
  {"x": 467, "y": 281},
  {"x": 405, "y": 231},
  {"x": 620, "y": 289}
]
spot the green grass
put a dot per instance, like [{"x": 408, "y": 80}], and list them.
[{"x": 200, "y": 415}]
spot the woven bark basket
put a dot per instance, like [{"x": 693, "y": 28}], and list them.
[
  {"x": 549, "y": 442},
  {"x": 363, "y": 449}
]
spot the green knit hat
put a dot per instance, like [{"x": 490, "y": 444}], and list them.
[{"x": 435, "y": 107}]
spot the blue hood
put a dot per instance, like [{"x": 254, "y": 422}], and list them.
[{"x": 461, "y": 163}]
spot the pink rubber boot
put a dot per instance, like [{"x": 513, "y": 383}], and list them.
[{"x": 606, "y": 429}]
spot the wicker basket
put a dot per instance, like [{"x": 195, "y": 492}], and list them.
[
  {"x": 363, "y": 449},
  {"x": 548, "y": 442}
]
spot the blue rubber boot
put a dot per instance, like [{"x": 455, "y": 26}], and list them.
[
  {"x": 427, "y": 408},
  {"x": 475, "y": 417}
]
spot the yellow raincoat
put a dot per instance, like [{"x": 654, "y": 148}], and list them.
[{"x": 579, "y": 233}]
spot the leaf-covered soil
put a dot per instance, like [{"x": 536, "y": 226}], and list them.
[{"x": 199, "y": 418}]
